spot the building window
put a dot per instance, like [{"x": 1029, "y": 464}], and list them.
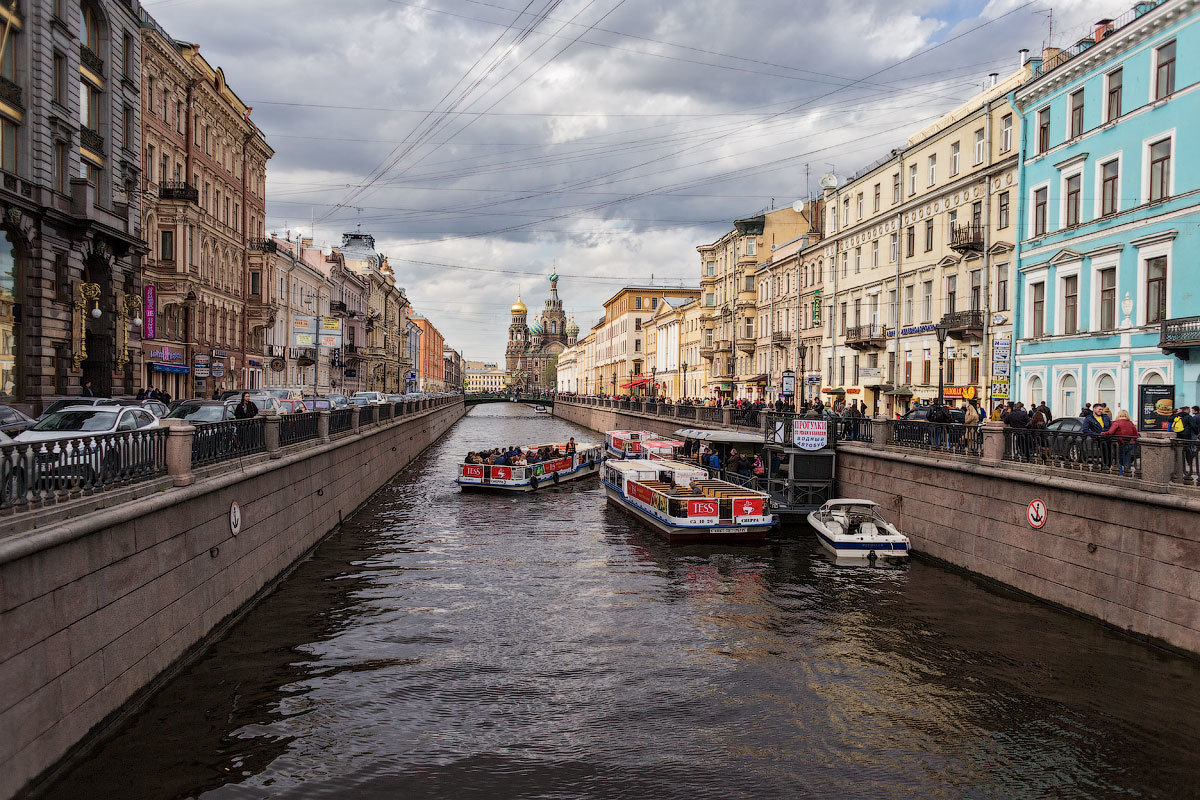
[
  {"x": 1002, "y": 221},
  {"x": 1160, "y": 170},
  {"x": 974, "y": 377},
  {"x": 875, "y": 253},
  {"x": 89, "y": 28},
  {"x": 912, "y": 179},
  {"x": 1006, "y": 127},
  {"x": 89, "y": 106},
  {"x": 1002, "y": 287},
  {"x": 166, "y": 252},
  {"x": 1071, "y": 305},
  {"x": 60, "y": 78},
  {"x": 843, "y": 318},
  {"x": 845, "y": 264},
  {"x": 908, "y": 368},
  {"x": 8, "y": 145},
  {"x": 951, "y": 294},
  {"x": 928, "y": 235},
  {"x": 979, "y": 146},
  {"x": 954, "y": 151},
  {"x": 932, "y": 170},
  {"x": 1043, "y": 130},
  {"x": 896, "y": 188},
  {"x": 1109, "y": 198},
  {"x": 653, "y": 303},
  {"x": 894, "y": 249},
  {"x": 1113, "y": 95},
  {"x": 859, "y": 206},
  {"x": 976, "y": 290},
  {"x": 255, "y": 283},
  {"x": 910, "y": 245},
  {"x": 127, "y": 59},
  {"x": 877, "y": 198},
  {"x": 927, "y": 369},
  {"x": 908, "y": 304},
  {"x": 1039, "y": 309},
  {"x": 1074, "y": 190},
  {"x": 749, "y": 283},
  {"x": 129, "y": 128},
  {"x": 1040, "y": 201},
  {"x": 61, "y": 166},
  {"x": 927, "y": 301},
  {"x": 709, "y": 300},
  {"x": 950, "y": 370},
  {"x": 751, "y": 247},
  {"x": 637, "y": 302},
  {"x": 1164, "y": 70},
  {"x": 1108, "y": 299},
  {"x": 1076, "y": 122},
  {"x": 710, "y": 268},
  {"x": 1156, "y": 289},
  {"x": 857, "y": 260}
]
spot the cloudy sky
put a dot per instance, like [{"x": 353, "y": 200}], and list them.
[{"x": 483, "y": 142}]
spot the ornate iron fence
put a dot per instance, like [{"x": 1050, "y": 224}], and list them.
[
  {"x": 298, "y": 427},
  {"x": 708, "y": 413},
  {"x": 33, "y": 472},
  {"x": 685, "y": 412},
  {"x": 1187, "y": 462},
  {"x": 341, "y": 420},
  {"x": 218, "y": 441},
  {"x": 1085, "y": 452},
  {"x": 941, "y": 436}
]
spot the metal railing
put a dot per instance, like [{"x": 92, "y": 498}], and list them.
[
  {"x": 1186, "y": 457},
  {"x": 219, "y": 441},
  {"x": 1085, "y": 452},
  {"x": 865, "y": 333},
  {"x": 1182, "y": 332},
  {"x": 385, "y": 411},
  {"x": 685, "y": 412},
  {"x": 939, "y": 436},
  {"x": 963, "y": 320},
  {"x": 342, "y": 419},
  {"x": 966, "y": 237},
  {"x": 178, "y": 190},
  {"x": 34, "y": 472},
  {"x": 298, "y": 427},
  {"x": 746, "y": 417},
  {"x": 708, "y": 413}
]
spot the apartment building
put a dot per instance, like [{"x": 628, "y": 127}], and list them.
[{"x": 620, "y": 367}]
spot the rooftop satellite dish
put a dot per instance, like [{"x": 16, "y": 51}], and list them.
[
  {"x": 829, "y": 181},
  {"x": 798, "y": 206}
]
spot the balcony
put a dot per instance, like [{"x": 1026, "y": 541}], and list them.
[
  {"x": 706, "y": 351},
  {"x": 964, "y": 324},
  {"x": 723, "y": 345},
  {"x": 781, "y": 338},
  {"x": 91, "y": 61},
  {"x": 12, "y": 93},
  {"x": 91, "y": 140},
  {"x": 264, "y": 245},
  {"x": 966, "y": 239},
  {"x": 178, "y": 190},
  {"x": 746, "y": 345},
  {"x": 1178, "y": 336},
  {"x": 337, "y": 308},
  {"x": 866, "y": 337}
]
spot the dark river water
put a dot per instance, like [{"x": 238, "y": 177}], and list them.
[{"x": 546, "y": 646}]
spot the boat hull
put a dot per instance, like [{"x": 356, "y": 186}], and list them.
[
  {"x": 545, "y": 482},
  {"x": 845, "y": 547},
  {"x": 674, "y": 534}
]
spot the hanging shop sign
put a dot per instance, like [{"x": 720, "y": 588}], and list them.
[
  {"x": 218, "y": 369},
  {"x": 220, "y": 354},
  {"x": 279, "y": 365},
  {"x": 816, "y": 309},
  {"x": 150, "y": 311},
  {"x": 1000, "y": 388},
  {"x": 167, "y": 355},
  {"x": 960, "y": 392},
  {"x": 200, "y": 370},
  {"x": 789, "y": 382}
]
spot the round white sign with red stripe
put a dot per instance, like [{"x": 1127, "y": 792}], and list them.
[{"x": 1036, "y": 513}]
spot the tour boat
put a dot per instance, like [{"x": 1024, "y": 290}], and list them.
[
  {"x": 681, "y": 503},
  {"x": 528, "y": 477},
  {"x": 661, "y": 449},
  {"x": 626, "y": 444},
  {"x": 541, "y": 410},
  {"x": 856, "y": 529}
]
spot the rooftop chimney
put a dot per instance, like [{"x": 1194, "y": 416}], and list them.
[
  {"x": 993, "y": 79},
  {"x": 1103, "y": 28},
  {"x": 1024, "y": 54}
]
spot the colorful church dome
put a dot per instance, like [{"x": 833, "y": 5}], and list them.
[
  {"x": 536, "y": 328},
  {"x": 572, "y": 328}
]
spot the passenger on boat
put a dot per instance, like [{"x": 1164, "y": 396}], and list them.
[
  {"x": 571, "y": 446},
  {"x": 734, "y": 464}
]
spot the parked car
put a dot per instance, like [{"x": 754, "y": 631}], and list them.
[
  {"x": 317, "y": 404},
  {"x": 67, "y": 402},
  {"x": 266, "y": 403},
  {"x": 291, "y": 406},
  {"x": 360, "y": 401},
  {"x": 338, "y": 400},
  {"x": 156, "y": 407},
  {"x": 13, "y": 421},
  {"x": 374, "y": 398},
  {"x": 913, "y": 427},
  {"x": 395, "y": 398},
  {"x": 84, "y": 459},
  {"x": 202, "y": 412}
]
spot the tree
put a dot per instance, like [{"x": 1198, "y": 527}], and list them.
[{"x": 550, "y": 372}]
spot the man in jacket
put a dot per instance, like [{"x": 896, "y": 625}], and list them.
[
  {"x": 1018, "y": 419},
  {"x": 245, "y": 409},
  {"x": 1045, "y": 409}
]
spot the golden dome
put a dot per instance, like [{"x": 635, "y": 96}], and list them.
[{"x": 519, "y": 307}]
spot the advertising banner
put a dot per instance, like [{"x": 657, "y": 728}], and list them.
[
  {"x": 748, "y": 509},
  {"x": 472, "y": 471},
  {"x": 331, "y": 325},
  {"x": 788, "y": 384},
  {"x": 661, "y": 504},
  {"x": 1156, "y": 406},
  {"x": 639, "y": 492},
  {"x": 705, "y": 511},
  {"x": 501, "y": 473},
  {"x": 810, "y": 434},
  {"x": 305, "y": 339},
  {"x": 1000, "y": 388},
  {"x": 150, "y": 312}
]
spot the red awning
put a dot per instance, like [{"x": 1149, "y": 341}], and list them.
[{"x": 636, "y": 383}]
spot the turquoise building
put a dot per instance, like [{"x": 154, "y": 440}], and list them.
[{"x": 1108, "y": 280}]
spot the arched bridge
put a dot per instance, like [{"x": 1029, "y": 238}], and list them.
[{"x": 477, "y": 399}]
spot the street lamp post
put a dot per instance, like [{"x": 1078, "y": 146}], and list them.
[
  {"x": 614, "y": 382},
  {"x": 653, "y": 385},
  {"x": 803, "y": 379},
  {"x": 683, "y": 382},
  {"x": 941, "y": 329}
]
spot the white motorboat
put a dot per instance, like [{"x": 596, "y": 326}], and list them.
[
  {"x": 541, "y": 410},
  {"x": 856, "y": 529}
]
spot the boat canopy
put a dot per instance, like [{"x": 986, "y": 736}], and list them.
[
  {"x": 849, "y": 502},
  {"x": 706, "y": 435}
]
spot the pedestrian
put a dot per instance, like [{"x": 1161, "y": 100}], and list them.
[
  {"x": 141, "y": 395},
  {"x": 86, "y": 390},
  {"x": 1045, "y": 409},
  {"x": 971, "y": 422},
  {"x": 1018, "y": 420},
  {"x": 1126, "y": 434},
  {"x": 245, "y": 409}
]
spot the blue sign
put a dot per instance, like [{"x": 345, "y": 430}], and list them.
[{"x": 926, "y": 328}]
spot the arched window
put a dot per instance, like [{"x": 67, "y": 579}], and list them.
[
  {"x": 1068, "y": 395},
  {"x": 1106, "y": 390},
  {"x": 89, "y": 27},
  {"x": 10, "y": 328},
  {"x": 1037, "y": 392},
  {"x": 1153, "y": 378}
]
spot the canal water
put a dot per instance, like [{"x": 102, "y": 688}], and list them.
[{"x": 471, "y": 646}]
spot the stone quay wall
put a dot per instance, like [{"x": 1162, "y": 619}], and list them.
[
  {"x": 1124, "y": 552},
  {"x": 97, "y": 604}
]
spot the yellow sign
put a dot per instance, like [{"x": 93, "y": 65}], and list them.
[
  {"x": 305, "y": 339},
  {"x": 331, "y": 324},
  {"x": 302, "y": 324}
]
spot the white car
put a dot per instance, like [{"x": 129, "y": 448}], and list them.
[
  {"x": 374, "y": 398},
  {"x": 71, "y": 444}
]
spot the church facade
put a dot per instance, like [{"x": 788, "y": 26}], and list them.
[{"x": 534, "y": 345}]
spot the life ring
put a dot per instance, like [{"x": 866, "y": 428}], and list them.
[{"x": 533, "y": 482}]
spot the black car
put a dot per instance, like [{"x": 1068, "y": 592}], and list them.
[
  {"x": 13, "y": 421},
  {"x": 913, "y": 427},
  {"x": 199, "y": 412}
]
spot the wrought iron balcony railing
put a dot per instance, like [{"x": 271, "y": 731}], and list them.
[
  {"x": 1178, "y": 335},
  {"x": 91, "y": 60},
  {"x": 264, "y": 245},
  {"x": 12, "y": 93},
  {"x": 864, "y": 336},
  {"x": 178, "y": 190},
  {"x": 967, "y": 238},
  {"x": 91, "y": 140},
  {"x": 964, "y": 323}
]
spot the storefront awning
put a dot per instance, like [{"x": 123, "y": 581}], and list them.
[
  {"x": 838, "y": 390},
  {"x": 170, "y": 368},
  {"x": 635, "y": 383},
  {"x": 757, "y": 380},
  {"x": 900, "y": 391}
]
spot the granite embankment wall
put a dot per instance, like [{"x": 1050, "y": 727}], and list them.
[
  {"x": 95, "y": 608},
  {"x": 1128, "y": 555}
]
